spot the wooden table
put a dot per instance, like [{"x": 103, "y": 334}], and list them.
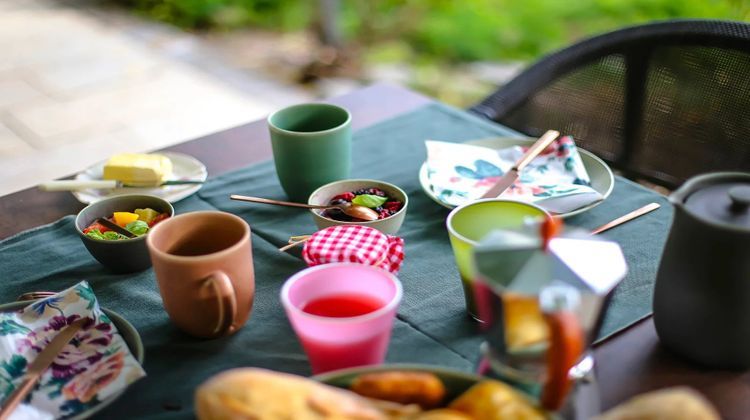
[{"x": 629, "y": 363}]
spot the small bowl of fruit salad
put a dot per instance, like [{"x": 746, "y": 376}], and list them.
[
  {"x": 114, "y": 229},
  {"x": 387, "y": 200}
]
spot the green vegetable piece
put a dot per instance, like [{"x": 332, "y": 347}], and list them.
[
  {"x": 147, "y": 214},
  {"x": 369, "y": 200},
  {"x": 112, "y": 236},
  {"x": 95, "y": 233},
  {"x": 137, "y": 227}
]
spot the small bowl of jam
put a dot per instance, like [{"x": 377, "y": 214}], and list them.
[{"x": 385, "y": 199}]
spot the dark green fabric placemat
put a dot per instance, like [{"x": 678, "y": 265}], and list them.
[{"x": 432, "y": 325}]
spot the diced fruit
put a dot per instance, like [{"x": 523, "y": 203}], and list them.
[
  {"x": 347, "y": 196},
  {"x": 370, "y": 191},
  {"x": 104, "y": 236},
  {"x": 93, "y": 233},
  {"x": 147, "y": 214},
  {"x": 393, "y": 206},
  {"x": 96, "y": 226},
  {"x": 158, "y": 219},
  {"x": 492, "y": 399},
  {"x": 371, "y": 197},
  {"x": 122, "y": 218},
  {"x": 137, "y": 227},
  {"x": 132, "y": 222},
  {"x": 112, "y": 236}
]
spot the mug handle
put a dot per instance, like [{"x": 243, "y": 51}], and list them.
[
  {"x": 566, "y": 347},
  {"x": 227, "y": 301}
]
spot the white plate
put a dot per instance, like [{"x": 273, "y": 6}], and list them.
[
  {"x": 183, "y": 167},
  {"x": 602, "y": 178}
]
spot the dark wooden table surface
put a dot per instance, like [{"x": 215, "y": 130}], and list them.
[{"x": 629, "y": 363}]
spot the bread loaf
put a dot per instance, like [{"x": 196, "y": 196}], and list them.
[{"x": 259, "y": 394}]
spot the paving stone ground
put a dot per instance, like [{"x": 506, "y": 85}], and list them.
[{"x": 78, "y": 84}]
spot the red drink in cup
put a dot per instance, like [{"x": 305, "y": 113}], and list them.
[
  {"x": 326, "y": 355},
  {"x": 343, "y": 305},
  {"x": 342, "y": 313}
]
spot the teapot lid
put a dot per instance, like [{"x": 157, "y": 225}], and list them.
[{"x": 720, "y": 198}]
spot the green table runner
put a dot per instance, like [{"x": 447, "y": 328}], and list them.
[{"x": 432, "y": 325}]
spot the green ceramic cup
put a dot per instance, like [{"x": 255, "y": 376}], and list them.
[
  {"x": 468, "y": 224},
  {"x": 312, "y": 146}
]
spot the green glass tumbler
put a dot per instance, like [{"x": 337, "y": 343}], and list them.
[
  {"x": 469, "y": 223},
  {"x": 312, "y": 146}
]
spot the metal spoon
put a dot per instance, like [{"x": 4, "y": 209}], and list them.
[{"x": 353, "y": 210}]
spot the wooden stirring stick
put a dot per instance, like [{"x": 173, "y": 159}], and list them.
[
  {"x": 626, "y": 218},
  {"x": 294, "y": 241}
]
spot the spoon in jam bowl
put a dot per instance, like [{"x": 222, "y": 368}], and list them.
[{"x": 352, "y": 210}]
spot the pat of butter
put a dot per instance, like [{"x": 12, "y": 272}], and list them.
[{"x": 138, "y": 168}]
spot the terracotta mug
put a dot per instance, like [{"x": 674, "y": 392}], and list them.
[{"x": 204, "y": 267}]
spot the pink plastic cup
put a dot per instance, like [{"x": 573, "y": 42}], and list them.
[{"x": 335, "y": 341}]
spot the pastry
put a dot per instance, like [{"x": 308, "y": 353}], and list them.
[
  {"x": 402, "y": 387},
  {"x": 494, "y": 400},
  {"x": 665, "y": 404},
  {"x": 259, "y": 394},
  {"x": 442, "y": 414}
]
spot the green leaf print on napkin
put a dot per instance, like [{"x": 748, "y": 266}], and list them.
[
  {"x": 9, "y": 371},
  {"x": 54, "y": 386},
  {"x": 483, "y": 170},
  {"x": 570, "y": 164},
  {"x": 9, "y": 326},
  {"x": 15, "y": 366},
  {"x": 75, "y": 406},
  {"x": 87, "y": 294}
]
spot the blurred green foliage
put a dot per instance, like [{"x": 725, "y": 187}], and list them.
[
  {"x": 283, "y": 15},
  {"x": 445, "y": 30}
]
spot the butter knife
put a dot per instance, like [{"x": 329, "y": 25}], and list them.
[
  {"x": 39, "y": 365},
  {"x": 512, "y": 175},
  {"x": 74, "y": 184}
]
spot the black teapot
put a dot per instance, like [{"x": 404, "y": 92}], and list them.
[{"x": 702, "y": 292}]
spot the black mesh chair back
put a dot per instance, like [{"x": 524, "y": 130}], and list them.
[{"x": 660, "y": 102}]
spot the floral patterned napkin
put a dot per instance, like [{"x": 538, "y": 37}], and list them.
[
  {"x": 556, "y": 179},
  {"x": 93, "y": 366}
]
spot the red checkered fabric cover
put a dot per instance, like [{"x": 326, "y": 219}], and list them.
[{"x": 354, "y": 243}]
